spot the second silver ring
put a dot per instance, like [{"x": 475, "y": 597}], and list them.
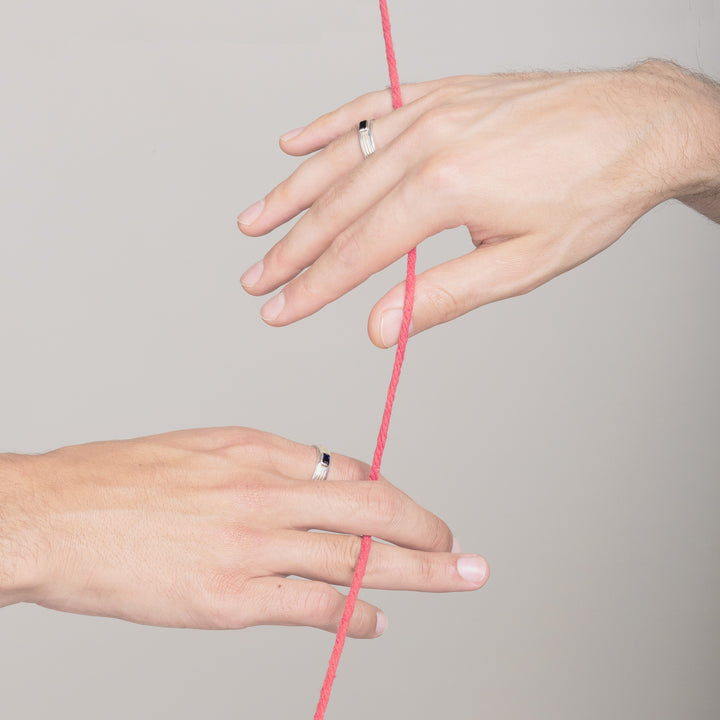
[
  {"x": 367, "y": 144},
  {"x": 322, "y": 466}
]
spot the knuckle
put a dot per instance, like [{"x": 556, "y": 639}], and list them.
[
  {"x": 254, "y": 494},
  {"x": 441, "y": 96},
  {"x": 251, "y": 447},
  {"x": 335, "y": 197},
  {"x": 356, "y": 471},
  {"x": 443, "y": 119},
  {"x": 253, "y": 443},
  {"x": 440, "y": 116},
  {"x": 346, "y": 252},
  {"x": 381, "y": 502},
  {"x": 235, "y": 540},
  {"x": 224, "y": 591},
  {"x": 441, "y": 179},
  {"x": 283, "y": 257},
  {"x": 465, "y": 84},
  {"x": 527, "y": 270},
  {"x": 443, "y": 304},
  {"x": 320, "y": 603},
  {"x": 328, "y": 120},
  {"x": 314, "y": 292},
  {"x": 345, "y": 556},
  {"x": 282, "y": 192},
  {"x": 380, "y": 563},
  {"x": 233, "y": 437},
  {"x": 444, "y": 172},
  {"x": 439, "y": 534},
  {"x": 427, "y": 570},
  {"x": 220, "y": 438}
]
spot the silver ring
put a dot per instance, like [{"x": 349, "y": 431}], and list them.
[
  {"x": 322, "y": 467},
  {"x": 367, "y": 144}
]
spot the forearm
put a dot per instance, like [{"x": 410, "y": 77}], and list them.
[
  {"x": 19, "y": 549},
  {"x": 707, "y": 203},
  {"x": 700, "y": 146}
]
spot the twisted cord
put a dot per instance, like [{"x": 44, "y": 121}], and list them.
[{"x": 362, "y": 560}]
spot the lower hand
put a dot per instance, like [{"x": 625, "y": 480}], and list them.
[{"x": 202, "y": 528}]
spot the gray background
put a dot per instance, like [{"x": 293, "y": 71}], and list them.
[{"x": 569, "y": 435}]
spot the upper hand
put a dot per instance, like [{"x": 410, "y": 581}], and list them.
[{"x": 544, "y": 169}]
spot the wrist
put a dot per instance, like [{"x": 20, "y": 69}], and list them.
[
  {"x": 20, "y": 547},
  {"x": 686, "y": 113}
]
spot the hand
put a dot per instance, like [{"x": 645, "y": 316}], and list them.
[
  {"x": 201, "y": 528},
  {"x": 545, "y": 170}
]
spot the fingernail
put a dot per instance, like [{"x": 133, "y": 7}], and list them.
[
  {"x": 251, "y": 276},
  {"x": 290, "y": 134},
  {"x": 390, "y": 322},
  {"x": 249, "y": 216},
  {"x": 473, "y": 569},
  {"x": 381, "y": 623},
  {"x": 456, "y": 548},
  {"x": 273, "y": 307}
]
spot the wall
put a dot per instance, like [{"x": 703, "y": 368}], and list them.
[{"x": 569, "y": 435}]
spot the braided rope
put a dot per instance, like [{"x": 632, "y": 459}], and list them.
[{"x": 385, "y": 424}]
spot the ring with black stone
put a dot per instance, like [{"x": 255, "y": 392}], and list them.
[
  {"x": 367, "y": 144},
  {"x": 322, "y": 466}
]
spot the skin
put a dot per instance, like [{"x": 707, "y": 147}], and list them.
[
  {"x": 201, "y": 528},
  {"x": 544, "y": 169}
]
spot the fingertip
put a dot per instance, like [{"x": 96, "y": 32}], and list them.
[
  {"x": 293, "y": 142},
  {"x": 381, "y": 623},
  {"x": 386, "y": 318},
  {"x": 249, "y": 216},
  {"x": 251, "y": 290},
  {"x": 375, "y": 328},
  {"x": 291, "y": 134},
  {"x": 271, "y": 310},
  {"x": 474, "y": 569},
  {"x": 367, "y": 622},
  {"x": 251, "y": 276},
  {"x": 373, "y": 331}
]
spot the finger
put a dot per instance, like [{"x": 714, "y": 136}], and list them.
[
  {"x": 489, "y": 273},
  {"x": 338, "y": 208},
  {"x": 332, "y": 559},
  {"x": 346, "y": 501},
  {"x": 321, "y": 172},
  {"x": 340, "y": 469},
  {"x": 368, "y": 508},
  {"x": 376, "y": 104},
  {"x": 410, "y": 212},
  {"x": 287, "y": 601}
]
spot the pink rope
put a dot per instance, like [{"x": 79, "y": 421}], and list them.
[{"x": 385, "y": 424}]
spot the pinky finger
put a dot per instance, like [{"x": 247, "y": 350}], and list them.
[{"x": 288, "y": 601}]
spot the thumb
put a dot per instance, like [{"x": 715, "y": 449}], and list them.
[{"x": 489, "y": 273}]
